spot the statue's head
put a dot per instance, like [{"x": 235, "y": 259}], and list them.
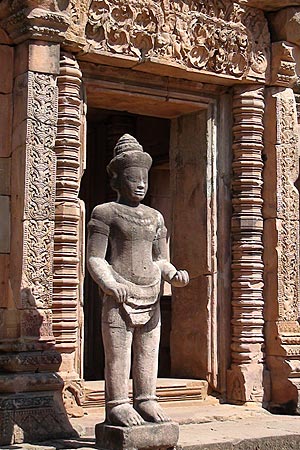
[{"x": 129, "y": 170}]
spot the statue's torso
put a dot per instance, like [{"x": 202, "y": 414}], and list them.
[{"x": 131, "y": 235}]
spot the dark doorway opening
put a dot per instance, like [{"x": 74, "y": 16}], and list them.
[{"x": 104, "y": 129}]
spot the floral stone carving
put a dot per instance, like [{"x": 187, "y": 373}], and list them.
[{"x": 220, "y": 36}]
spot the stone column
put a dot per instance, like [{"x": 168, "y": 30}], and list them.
[
  {"x": 281, "y": 239},
  {"x": 69, "y": 233},
  {"x": 29, "y": 359},
  {"x": 245, "y": 380}
]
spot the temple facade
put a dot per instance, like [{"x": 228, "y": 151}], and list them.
[{"x": 211, "y": 90}]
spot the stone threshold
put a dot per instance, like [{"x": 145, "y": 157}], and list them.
[{"x": 167, "y": 390}]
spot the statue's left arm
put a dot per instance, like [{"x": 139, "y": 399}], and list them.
[{"x": 169, "y": 273}]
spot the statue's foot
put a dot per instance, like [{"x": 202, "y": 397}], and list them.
[
  {"x": 151, "y": 411},
  {"x": 124, "y": 415}
]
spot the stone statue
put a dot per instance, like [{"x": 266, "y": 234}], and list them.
[{"x": 127, "y": 259}]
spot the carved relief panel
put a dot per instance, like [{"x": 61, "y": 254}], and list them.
[{"x": 221, "y": 37}]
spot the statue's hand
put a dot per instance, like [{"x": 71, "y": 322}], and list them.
[
  {"x": 180, "y": 279},
  {"x": 118, "y": 291}
]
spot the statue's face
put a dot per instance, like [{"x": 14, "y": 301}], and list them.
[{"x": 133, "y": 184}]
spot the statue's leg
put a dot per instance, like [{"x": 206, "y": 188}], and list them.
[
  {"x": 145, "y": 365},
  {"x": 117, "y": 341}
]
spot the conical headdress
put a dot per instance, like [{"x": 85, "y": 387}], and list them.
[{"x": 128, "y": 153}]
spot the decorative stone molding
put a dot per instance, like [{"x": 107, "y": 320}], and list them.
[
  {"x": 34, "y": 19},
  {"x": 281, "y": 238},
  {"x": 67, "y": 301},
  {"x": 283, "y": 64},
  {"x": 245, "y": 378},
  {"x": 223, "y": 38}
]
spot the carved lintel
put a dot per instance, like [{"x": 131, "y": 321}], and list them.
[
  {"x": 221, "y": 38},
  {"x": 283, "y": 64},
  {"x": 246, "y": 376},
  {"x": 281, "y": 238}
]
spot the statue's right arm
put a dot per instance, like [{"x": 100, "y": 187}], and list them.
[{"x": 98, "y": 267}]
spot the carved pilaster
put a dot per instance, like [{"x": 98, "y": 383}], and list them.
[
  {"x": 245, "y": 378},
  {"x": 68, "y": 257},
  {"x": 33, "y": 208},
  {"x": 281, "y": 238},
  {"x": 30, "y": 401}
]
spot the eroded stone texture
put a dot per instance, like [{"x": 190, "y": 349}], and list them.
[
  {"x": 37, "y": 411},
  {"x": 6, "y": 111},
  {"x": 4, "y": 224},
  {"x": 130, "y": 278},
  {"x": 271, "y": 5},
  {"x": 285, "y": 25},
  {"x": 284, "y": 65},
  {"x": 176, "y": 34},
  {"x": 68, "y": 236},
  {"x": 158, "y": 436},
  {"x": 281, "y": 240},
  {"x": 188, "y": 174},
  {"x": 245, "y": 378},
  {"x": 6, "y": 76}
]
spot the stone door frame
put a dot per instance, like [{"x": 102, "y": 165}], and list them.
[{"x": 187, "y": 97}]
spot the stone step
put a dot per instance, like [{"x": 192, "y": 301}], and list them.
[{"x": 168, "y": 390}]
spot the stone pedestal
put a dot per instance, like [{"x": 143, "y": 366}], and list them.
[{"x": 149, "y": 436}]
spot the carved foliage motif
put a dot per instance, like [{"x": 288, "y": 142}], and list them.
[
  {"x": 217, "y": 36},
  {"x": 42, "y": 93},
  {"x": 288, "y": 206},
  {"x": 39, "y": 191}
]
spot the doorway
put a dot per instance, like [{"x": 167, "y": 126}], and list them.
[
  {"x": 104, "y": 129},
  {"x": 176, "y": 122}
]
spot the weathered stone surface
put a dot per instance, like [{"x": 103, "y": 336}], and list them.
[
  {"x": 4, "y": 224},
  {"x": 190, "y": 190},
  {"x": 68, "y": 242},
  {"x": 284, "y": 72},
  {"x": 4, "y": 277},
  {"x": 6, "y": 75},
  {"x": 6, "y": 111},
  {"x": 285, "y": 25},
  {"x": 245, "y": 378},
  {"x": 131, "y": 284},
  {"x": 281, "y": 242},
  {"x": 32, "y": 416},
  {"x": 177, "y": 35},
  {"x": 5, "y": 166},
  {"x": 48, "y": 360},
  {"x": 150, "y": 436},
  {"x": 38, "y": 56},
  {"x": 270, "y": 5}
]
